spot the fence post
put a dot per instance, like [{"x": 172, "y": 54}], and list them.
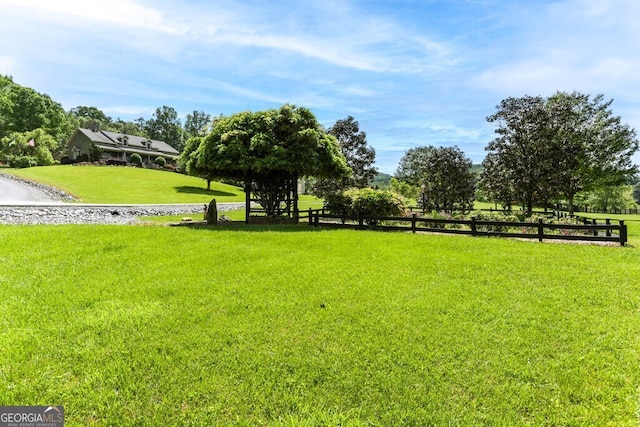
[
  {"x": 608, "y": 231},
  {"x": 310, "y": 217},
  {"x": 360, "y": 220},
  {"x": 595, "y": 230},
  {"x": 413, "y": 222},
  {"x": 473, "y": 226},
  {"x": 623, "y": 233},
  {"x": 317, "y": 219},
  {"x": 540, "y": 230}
]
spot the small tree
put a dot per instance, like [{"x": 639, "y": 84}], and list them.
[
  {"x": 359, "y": 156},
  {"x": 136, "y": 159},
  {"x": 190, "y": 161},
  {"x": 443, "y": 175},
  {"x": 95, "y": 153},
  {"x": 608, "y": 197},
  {"x": 636, "y": 193},
  {"x": 269, "y": 151}
]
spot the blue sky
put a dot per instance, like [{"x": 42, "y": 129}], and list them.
[{"x": 412, "y": 72}]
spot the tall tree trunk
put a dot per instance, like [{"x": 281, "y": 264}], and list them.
[
  {"x": 571, "y": 207},
  {"x": 247, "y": 205}
]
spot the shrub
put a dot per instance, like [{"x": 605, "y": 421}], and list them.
[
  {"x": 116, "y": 162},
  {"x": 136, "y": 159},
  {"x": 365, "y": 202},
  {"x": 339, "y": 204},
  {"x": 160, "y": 161},
  {"x": 495, "y": 216},
  {"x": 22, "y": 161}
]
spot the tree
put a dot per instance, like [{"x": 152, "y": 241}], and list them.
[
  {"x": 90, "y": 117},
  {"x": 556, "y": 147},
  {"x": 95, "y": 153},
  {"x": 596, "y": 147},
  {"x": 360, "y": 158},
  {"x": 404, "y": 188},
  {"x": 36, "y": 145},
  {"x": 411, "y": 168},
  {"x": 521, "y": 157},
  {"x": 22, "y": 109},
  {"x": 269, "y": 151},
  {"x": 197, "y": 124},
  {"x": 189, "y": 161},
  {"x": 443, "y": 175},
  {"x": 636, "y": 193},
  {"x": 495, "y": 182},
  {"x": 136, "y": 128},
  {"x": 609, "y": 197},
  {"x": 165, "y": 126}
]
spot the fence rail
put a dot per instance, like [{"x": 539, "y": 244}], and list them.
[{"x": 594, "y": 232}]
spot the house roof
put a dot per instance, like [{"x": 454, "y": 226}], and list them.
[{"x": 116, "y": 141}]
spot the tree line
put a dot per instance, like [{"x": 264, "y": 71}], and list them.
[
  {"x": 33, "y": 126},
  {"x": 560, "y": 149}
]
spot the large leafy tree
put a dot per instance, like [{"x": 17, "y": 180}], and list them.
[
  {"x": 443, "y": 175},
  {"x": 197, "y": 124},
  {"x": 165, "y": 126},
  {"x": 28, "y": 148},
  {"x": 90, "y": 117},
  {"x": 520, "y": 159},
  {"x": 359, "y": 155},
  {"x": 556, "y": 147},
  {"x": 22, "y": 109},
  {"x": 269, "y": 151}
]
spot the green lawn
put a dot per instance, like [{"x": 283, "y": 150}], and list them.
[
  {"x": 113, "y": 184},
  {"x": 127, "y": 325}
]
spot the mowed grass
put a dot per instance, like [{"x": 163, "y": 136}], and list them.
[
  {"x": 128, "y": 185},
  {"x": 127, "y": 325}
]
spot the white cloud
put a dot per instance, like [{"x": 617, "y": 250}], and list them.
[
  {"x": 584, "y": 45},
  {"x": 115, "y": 13}
]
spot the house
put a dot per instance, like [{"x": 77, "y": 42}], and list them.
[{"x": 117, "y": 146}]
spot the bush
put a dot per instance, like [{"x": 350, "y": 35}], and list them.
[
  {"x": 160, "y": 161},
  {"x": 136, "y": 159},
  {"x": 498, "y": 217},
  {"x": 365, "y": 202},
  {"x": 339, "y": 204},
  {"x": 116, "y": 162},
  {"x": 22, "y": 162}
]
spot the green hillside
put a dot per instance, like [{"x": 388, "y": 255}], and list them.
[{"x": 112, "y": 184}]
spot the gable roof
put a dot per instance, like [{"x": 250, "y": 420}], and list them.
[{"x": 107, "y": 139}]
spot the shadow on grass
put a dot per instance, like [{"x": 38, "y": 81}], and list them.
[
  {"x": 254, "y": 228},
  {"x": 196, "y": 190}
]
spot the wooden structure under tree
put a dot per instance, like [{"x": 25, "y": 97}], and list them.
[{"x": 286, "y": 189}]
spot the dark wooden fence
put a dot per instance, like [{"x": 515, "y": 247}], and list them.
[{"x": 603, "y": 231}]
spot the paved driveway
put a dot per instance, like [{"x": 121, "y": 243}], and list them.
[{"x": 14, "y": 192}]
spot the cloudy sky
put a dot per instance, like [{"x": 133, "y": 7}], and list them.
[{"x": 412, "y": 72}]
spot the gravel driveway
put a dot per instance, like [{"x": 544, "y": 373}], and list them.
[{"x": 26, "y": 202}]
